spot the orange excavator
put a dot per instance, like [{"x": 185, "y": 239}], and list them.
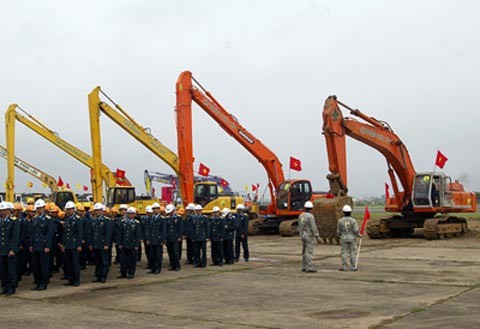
[
  {"x": 287, "y": 196},
  {"x": 424, "y": 195}
]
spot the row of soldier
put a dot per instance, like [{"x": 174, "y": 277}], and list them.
[{"x": 42, "y": 239}]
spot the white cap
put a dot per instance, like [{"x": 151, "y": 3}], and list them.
[
  {"x": 216, "y": 209},
  {"x": 3, "y": 205},
  {"x": 155, "y": 205},
  {"x": 308, "y": 205},
  {"x": 9, "y": 205},
  {"x": 240, "y": 206},
  {"x": 70, "y": 205},
  {"x": 170, "y": 208},
  {"x": 347, "y": 208},
  {"x": 131, "y": 210},
  {"x": 198, "y": 207},
  {"x": 98, "y": 206},
  {"x": 190, "y": 206},
  {"x": 39, "y": 204},
  {"x": 225, "y": 211},
  {"x": 149, "y": 209},
  {"x": 123, "y": 207}
]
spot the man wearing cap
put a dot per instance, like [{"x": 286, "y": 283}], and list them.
[
  {"x": 174, "y": 236},
  {"x": 200, "y": 235},
  {"x": 217, "y": 230},
  {"x": 241, "y": 233},
  {"x": 188, "y": 231},
  {"x": 100, "y": 239},
  {"x": 130, "y": 235},
  {"x": 41, "y": 234},
  {"x": 9, "y": 246},
  {"x": 20, "y": 215},
  {"x": 72, "y": 244},
  {"x": 307, "y": 228},
  {"x": 347, "y": 231},
  {"x": 156, "y": 236},
  {"x": 29, "y": 214},
  {"x": 85, "y": 255},
  {"x": 119, "y": 218},
  {"x": 56, "y": 256},
  {"x": 229, "y": 222},
  {"x": 145, "y": 223}
]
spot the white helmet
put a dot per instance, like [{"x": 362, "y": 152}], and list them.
[
  {"x": 3, "y": 205},
  {"x": 131, "y": 210},
  {"x": 123, "y": 207},
  {"x": 170, "y": 208},
  {"x": 10, "y": 205},
  {"x": 190, "y": 206},
  {"x": 198, "y": 207},
  {"x": 149, "y": 209},
  {"x": 347, "y": 208},
  {"x": 216, "y": 209},
  {"x": 308, "y": 205},
  {"x": 39, "y": 204},
  {"x": 70, "y": 205},
  {"x": 98, "y": 206},
  {"x": 225, "y": 211},
  {"x": 240, "y": 206},
  {"x": 155, "y": 205}
]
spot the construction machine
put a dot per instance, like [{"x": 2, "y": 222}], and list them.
[
  {"x": 119, "y": 188},
  {"x": 287, "y": 196},
  {"x": 424, "y": 195},
  {"x": 205, "y": 189}
]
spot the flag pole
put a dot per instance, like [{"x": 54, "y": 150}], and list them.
[{"x": 358, "y": 251}]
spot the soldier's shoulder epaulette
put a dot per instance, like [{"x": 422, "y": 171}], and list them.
[
  {"x": 48, "y": 217},
  {"x": 137, "y": 221},
  {"x": 13, "y": 218},
  {"x": 76, "y": 216}
]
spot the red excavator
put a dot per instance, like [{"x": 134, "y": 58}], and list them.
[{"x": 424, "y": 195}]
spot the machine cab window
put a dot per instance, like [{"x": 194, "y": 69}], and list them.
[
  {"x": 427, "y": 190},
  {"x": 120, "y": 196},
  {"x": 205, "y": 192},
  {"x": 293, "y": 195}
]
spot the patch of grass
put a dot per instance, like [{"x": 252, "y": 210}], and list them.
[{"x": 417, "y": 309}]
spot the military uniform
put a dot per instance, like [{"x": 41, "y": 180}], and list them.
[
  {"x": 145, "y": 222},
  {"x": 174, "y": 236},
  {"x": 56, "y": 257},
  {"x": 156, "y": 237},
  {"x": 217, "y": 230},
  {"x": 307, "y": 228},
  {"x": 130, "y": 236},
  {"x": 100, "y": 237},
  {"x": 86, "y": 255},
  {"x": 187, "y": 232},
  {"x": 347, "y": 230},
  {"x": 41, "y": 234},
  {"x": 72, "y": 241},
  {"x": 229, "y": 235},
  {"x": 9, "y": 247},
  {"x": 23, "y": 255},
  {"x": 241, "y": 236},
  {"x": 200, "y": 235},
  {"x": 116, "y": 231}
]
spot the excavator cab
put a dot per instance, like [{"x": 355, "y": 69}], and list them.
[
  {"x": 120, "y": 195},
  {"x": 60, "y": 198},
  {"x": 432, "y": 190},
  {"x": 205, "y": 192},
  {"x": 292, "y": 194}
]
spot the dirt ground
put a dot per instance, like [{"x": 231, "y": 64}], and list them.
[{"x": 402, "y": 283}]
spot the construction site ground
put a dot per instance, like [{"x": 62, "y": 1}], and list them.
[{"x": 402, "y": 283}]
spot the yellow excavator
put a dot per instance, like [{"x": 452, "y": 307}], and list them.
[
  {"x": 144, "y": 136},
  {"x": 119, "y": 190}
]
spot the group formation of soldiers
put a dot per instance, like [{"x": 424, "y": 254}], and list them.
[{"x": 42, "y": 239}]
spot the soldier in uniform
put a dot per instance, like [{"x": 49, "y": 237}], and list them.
[
  {"x": 100, "y": 239},
  {"x": 200, "y": 235},
  {"x": 130, "y": 235},
  {"x": 85, "y": 255},
  {"x": 41, "y": 235},
  {"x": 187, "y": 232},
  {"x": 347, "y": 230},
  {"x": 181, "y": 214},
  {"x": 72, "y": 244},
  {"x": 229, "y": 235},
  {"x": 20, "y": 215},
  {"x": 122, "y": 215},
  {"x": 145, "y": 222},
  {"x": 307, "y": 228},
  {"x": 174, "y": 236},
  {"x": 30, "y": 213},
  {"x": 217, "y": 230},
  {"x": 56, "y": 257},
  {"x": 241, "y": 233},
  {"x": 156, "y": 235},
  {"x": 9, "y": 246}
]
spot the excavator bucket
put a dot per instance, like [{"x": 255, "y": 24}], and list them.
[{"x": 327, "y": 212}]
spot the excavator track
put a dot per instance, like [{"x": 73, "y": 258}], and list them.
[
  {"x": 288, "y": 227},
  {"x": 444, "y": 227}
]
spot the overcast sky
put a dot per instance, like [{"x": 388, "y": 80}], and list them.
[{"x": 270, "y": 63}]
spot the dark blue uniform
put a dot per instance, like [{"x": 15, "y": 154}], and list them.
[
  {"x": 200, "y": 235},
  {"x": 130, "y": 235},
  {"x": 9, "y": 242},
  {"x": 23, "y": 255},
  {"x": 100, "y": 237},
  {"x": 116, "y": 232},
  {"x": 229, "y": 235},
  {"x": 156, "y": 235},
  {"x": 241, "y": 236},
  {"x": 56, "y": 256},
  {"x": 72, "y": 240},
  {"x": 187, "y": 232},
  {"x": 86, "y": 256},
  {"x": 41, "y": 234},
  {"x": 217, "y": 230},
  {"x": 174, "y": 236},
  {"x": 145, "y": 222}
]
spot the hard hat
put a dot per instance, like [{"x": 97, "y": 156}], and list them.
[
  {"x": 18, "y": 206},
  {"x": 107, "y": 210},
  {"x": 98, "y": 206},
  {"x": 240, "y": 206},
  {"x": 169, "y": 208},
  {"x": 190, "y": 206},
  {"x": 149, "y": 209},
  {"x": 155, "y": 205},
  {"x": 3, "y": 205},
  {"x": 308, "y": 205},
  {"x": 39, "y": 204},
  {"x": 131, "y": 210},
  {"x": 162, "y": 208},
  {"x": 61, "y": 214},
  {"x": 10, "y": 205},
  {"x": 216, "y": 209},
  {"x": 30, "y": 208},
  {"x": 347, "y": 208},
  {"x": 114, "y": 210},
  {"x": 54, "y": 208},
  {"x": 225, "y": 211},
  {"x": 80, "y": 207},
  {"x": 181, "y": 211},
  {"x": 70, "y": 205},
  {"x": 30, "y": 201},
  {"x": 198, "y": 207},
  {"x": 123, "y": 207}
]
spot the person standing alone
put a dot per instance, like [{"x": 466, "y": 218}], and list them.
[{"x": 307, "y": 228}]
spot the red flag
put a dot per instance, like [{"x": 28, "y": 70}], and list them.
[
  {"x": 60, "y": 182},
  {"x": 440, "y": 160},
  {"x": 295, "y": 164},
  {"x": 387, "y": 191},
  {"x": 223, "y": 182},
  {"x": 85, "y": 188},
  {"x": 120, "y": 173},
  {"x": 203, "y": 170},
  {"x": 366, "y": 217},
  {"x": 68, "y": 185},
  {"x": 254, "y": 188}
]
